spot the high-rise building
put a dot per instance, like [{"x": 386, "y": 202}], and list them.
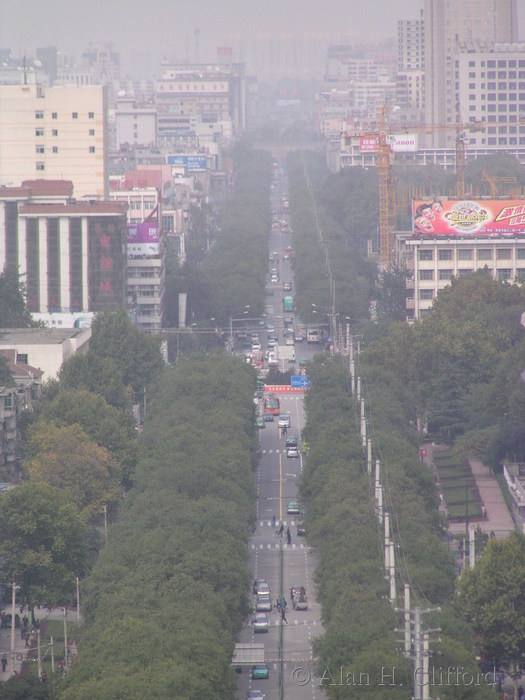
[
  {"x": 54, "y": 133},
  {"x": 448, "y": 22}
]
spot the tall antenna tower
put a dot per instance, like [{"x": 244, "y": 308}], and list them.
[{"x": 197, "y": 35}]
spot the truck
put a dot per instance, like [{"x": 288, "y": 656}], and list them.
[
  {"x": 312, "y": 335},
  {"x": 288, "y": 304}
]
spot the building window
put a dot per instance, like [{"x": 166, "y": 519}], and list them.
[
  {"x": 445, "y": 254},
  {"x": 91, "y": 115},
  {"x": 426, "y": 275},
  {"x": 425, "y": 255},
  {"x": 8, "y": 401},
  {"x": 465, "y": 254},
  {"x": 75, "y": 115},
  {"x": 92, "y": 149},
  {"x": 39, "y": 132},
  {"x": 426, "y": 294},
  {"x": 39, "y": 115},
  {"x": 520, "y": 273},
  {"x": 445, "y": 275},
  {"x": 92, "y": 132},
  {"x": 54, "y": 115},
  {"x": 484, "y": 254},
  {"x": 40, "y": 167},
  {"x": 521, "y": 253},
  {"x": 55, "y": 149},
  {"x": 465, "y": 271},
  {"x": 504, "y": 275},
  {"x": 503, "y": 254}
]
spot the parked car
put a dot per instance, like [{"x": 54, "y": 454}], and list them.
[{"x": 260, "y": 623}]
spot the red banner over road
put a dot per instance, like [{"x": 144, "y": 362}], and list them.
[
  {"x": 484, "y": 217},
  {"x": 283, "y": 389}
]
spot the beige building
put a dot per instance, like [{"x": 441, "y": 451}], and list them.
[
  {"x": 433, "y": 262},
  {"x": 448, "y": 22},
  {"x": 54, "y": 133}
]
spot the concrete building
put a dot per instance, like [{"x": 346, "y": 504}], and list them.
[
  {"x": 432, "y": 263},
  {"x": 490, "y": 82},
  {"x": 45, "y": 348},
  {"x": 448, "y": 22},
  {"x": 54, "y": 133},
  {"x": 71, "y": 255},
  {"x": 135, "y": 125}
]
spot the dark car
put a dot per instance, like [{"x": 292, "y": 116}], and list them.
[{"x": 291, "y": 441}]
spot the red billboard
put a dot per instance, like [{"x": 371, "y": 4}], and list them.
[
  {"x": 485, "y": 217},
  {"x": 368, "y": 143}
]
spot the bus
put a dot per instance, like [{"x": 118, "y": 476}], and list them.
[
  {"x": 288, "y": 304},
  {"x": 312, "y": 335},
  {"x": 271, "y": 404}
]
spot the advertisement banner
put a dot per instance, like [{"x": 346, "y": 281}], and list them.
[
  {"x": 487, "y": 217},
  {"x": 143, "y": 238},
  {"x": 368, "y": 143},
  {"x": 191, "y": 162},
  {"x": 402, "y": 143}
]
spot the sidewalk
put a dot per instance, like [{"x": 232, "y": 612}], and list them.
[{"x": 497, "y": 515}]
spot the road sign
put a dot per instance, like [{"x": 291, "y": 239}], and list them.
[{"x": 299, "y": 381}]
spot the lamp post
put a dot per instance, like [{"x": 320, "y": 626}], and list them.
[{"x": 243, "y": 308}]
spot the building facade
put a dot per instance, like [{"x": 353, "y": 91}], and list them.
[
  {"x": 448, "y": 22},
  {"x": 70, "y": 255},
  {"x": 54, "y": 133}
]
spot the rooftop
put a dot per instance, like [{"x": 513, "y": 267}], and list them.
[{"x": 39, "y": 336}]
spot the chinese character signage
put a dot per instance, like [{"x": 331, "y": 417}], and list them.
[
  {"x": 143, "y": 238},
  {"x": 192, "y": 162},
  {"x": 368, "y": 143}
]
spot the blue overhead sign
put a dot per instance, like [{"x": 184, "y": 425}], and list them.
[
  {"x": 191, "y": 162},
  {"x": 299, "y": 381}
]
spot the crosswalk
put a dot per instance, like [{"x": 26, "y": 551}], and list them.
[{"x": 285, "y": 546}]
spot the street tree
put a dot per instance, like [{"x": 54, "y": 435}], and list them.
[
  {"x": 43, "y": 545},
  {"x": 66, "y": 458},
  {"x": 13, "y": 308},
  {"x": 492, "y": 596}
]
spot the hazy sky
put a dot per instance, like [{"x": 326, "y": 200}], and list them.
[{"x": 167, "y": 27}]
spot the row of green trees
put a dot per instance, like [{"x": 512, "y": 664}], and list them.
[
  {"x": 168, "y": 594},
  {"x": 80, "y": 451},
  {"x": 336, "y": 489}
]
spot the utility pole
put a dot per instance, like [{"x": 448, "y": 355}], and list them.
[
  {"x": 369, "y": 455},
  {"x": 39, "y": 653},
  {"x": 66, "y": 655},
  {"x": 363, "y": 422},
  {"x": 78, "y": 600},
  {"x": 52, "y": 656},
  {"x": 13, "y": 625}
]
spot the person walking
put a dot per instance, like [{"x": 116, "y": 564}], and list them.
[
  {"x": 4, "y": 664},
  {"x": 283, "y": 616},
  {"x": 273, "y": 520},
  {"x": 288, "y": 536}
]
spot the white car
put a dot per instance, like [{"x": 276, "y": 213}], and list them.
[
  {"x": 292, "y": 452},
  {"x": 256, "y": 347},
  {"x": 272, "y": 360},
  {"x": 284, "y": 421}
]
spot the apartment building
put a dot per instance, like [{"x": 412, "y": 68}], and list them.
[
  {"x": 54, "y": 133},
  {"x": 448, "y": 22}
]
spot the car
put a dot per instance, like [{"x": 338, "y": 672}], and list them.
[
  {"x": 287, "y": 287},
  {"x": 291, "y": 441},
  {"x": 258, "y": 582},
  {"x": 301, "y": 530},
  {"x": 259, "y": 423},
  {"x": 272, "y": 360},
  {"x": 293, "y": 508},
  {"x": 284, "y": 420},
  {"x": 254, "y": 695},
  {"x": 289, "y": 341},
  {"x": 274, "y": 279},
  {"x": 268, "y": 418},
  {"x": 288, "y": 320},
  {"x": 263, "y": 590},
  {"x": 263, "y": 604},
  {"x": 303, "y": 361},
  {"x": 260, "y": 623},
  {"x": 270, "y": 331},
  {"x": 292, "y": 452},
  {"x": 272, "y": 343},
  {"x": 256, "y": 347},
  {"x": 260, "y": 671}
]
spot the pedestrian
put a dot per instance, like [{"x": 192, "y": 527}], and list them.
[
  {"x": 281, "y": 530},
  {"x": 273, "y": 520},
  {"x": 285, "y": 430},
  {"x": 25, "y": 620},
  {"x": 2, "y": 620},
  {"x": 283, "y": 616},
  {"x": 521, "y": 693},
  {"x": 4, "y": 664},
  {"x": 288, "y": 536}
]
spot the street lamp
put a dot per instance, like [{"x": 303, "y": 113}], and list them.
[{"x": 235, "y": 311}]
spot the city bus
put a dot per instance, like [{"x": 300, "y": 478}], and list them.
[
  {"x": 312, "y": 335},
  {"x": 271, "y": 404},
  {"x": 288, "y": 304}
]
